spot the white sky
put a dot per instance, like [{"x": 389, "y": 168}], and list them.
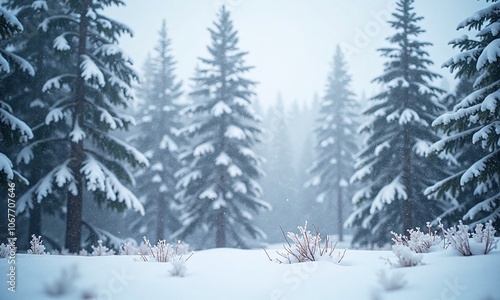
[{"x": 290, "y": 42}]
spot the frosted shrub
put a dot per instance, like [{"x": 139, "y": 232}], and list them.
[
  {"x": 178, "y": 268},
  {"x": 101, "y": 250},
  {"x": 406, "y": 257},
  {"x": 485, "y": 234},
  {"x": 165, "y": 252},
  {"x": 307, "y": 247},
  {"x": 37, "y": 246},
  {"x": 458, "y": 238},
  {"x": 143, "y": 249},
  {"x": 390, "y": 281},
  {"x": 83, "y": 252},
  {"x": 4, "y": 250},
  {"x": 418, "y": 241},
  {"x": 128, "y": 248}
]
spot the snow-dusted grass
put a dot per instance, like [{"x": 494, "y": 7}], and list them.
[{"x": 248, "y": 274}]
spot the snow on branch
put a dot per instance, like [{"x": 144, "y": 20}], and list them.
[
  {"x": 99, "y": 178},
  {"x": 489, "y": 55},
  {"x": 15, "y": 124},
  {"x": 479, "y": 15},
  {"x": 90, "y": 71},
  {"x": 203, "y": 149},
  {"x": 487, "y": 205},
  {"x": 6, "y": 166},
  {"x": 60, "y": 43},
  {"x": 387, "y": 194},
  {"x": 234, "y": 132},
  {"x": 220, "y": 108}
]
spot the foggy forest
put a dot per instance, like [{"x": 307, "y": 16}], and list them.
[{"x": 103, "y": 151}]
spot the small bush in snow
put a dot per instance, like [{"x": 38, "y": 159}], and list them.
[
  {"x": 178, "y": 268},
  {"x": 83, "y": 252},
  {"x": 307, "y": 247},
  {"x": 418, "y": 241},
  {"x": 406, "y": 257},
  {"x": 165, "y": 252},
  {"x": 143, "y": 249},
  {"x": 128, "y": 248},
  {"x": 485, "y": 234},
  {"x": 4, "y": 250},
  {"x": 390, "y": 280},
  {"x": 458, "y": 238},
  {"x": 37, "y": 246},
  {"x": 101, "y": 250}
]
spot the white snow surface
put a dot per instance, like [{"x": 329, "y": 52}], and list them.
[{"x": 248, "y": 274}]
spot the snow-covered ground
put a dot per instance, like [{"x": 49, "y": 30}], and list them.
[{"x": 248, "y": 274}]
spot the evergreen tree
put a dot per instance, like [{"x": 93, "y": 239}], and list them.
[
  {"x": 473, "y": 126},
  {"x": 392, "y": 167},
  {"x": 335, "y": 146},
  {"x": 219, "y": 180},
  {"x": 160, "y": 119},
  {"x": 33, "y": 104},
  {"x": 88, "y": 96},
  {"x": 13, "y": 130}
]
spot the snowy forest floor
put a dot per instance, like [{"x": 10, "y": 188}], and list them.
[{"x": 248, "y": 274}]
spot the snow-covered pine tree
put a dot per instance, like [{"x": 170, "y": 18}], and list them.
[
  {"x": 393, "y": 168},
  {"x": 336, "y": 145},
  {"x": 159, "y": 93},
  {"x": 12, "y": 130},
  {"x": 219, "y": 181},
  {"x": 36, "y": 46},
  {"x": 474, "y": 123},
  {"x": 89, "y": 95}
]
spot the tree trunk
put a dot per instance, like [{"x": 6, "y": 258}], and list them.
[
  {"x": 220, "y": 223},
  {"x": 160, "y": 218},
  {"x": 340, "y": 222},
  {"x": 407, "y": 207},
  {"x": 77, "y": 155},
  {"x": 35, "y": 222}
]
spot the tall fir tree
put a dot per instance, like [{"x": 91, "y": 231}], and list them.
[
  {"x": 33, "y": 104},
  {"x": 336, "y": 147},
  {"x": 159, "y": 93},
  {"x": 88, "y": 96},
  {"x": 219, "y": 180},
  {"x": 13, "y": 130},
  {"x": 393, "y": 167},
  {"x": 473, "y": 126}
]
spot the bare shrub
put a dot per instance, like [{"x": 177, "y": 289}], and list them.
[
  {"x": 165, "y": 252},
  {"x": 485, "y": 234},
  {"x": 307, "y": 247}
]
